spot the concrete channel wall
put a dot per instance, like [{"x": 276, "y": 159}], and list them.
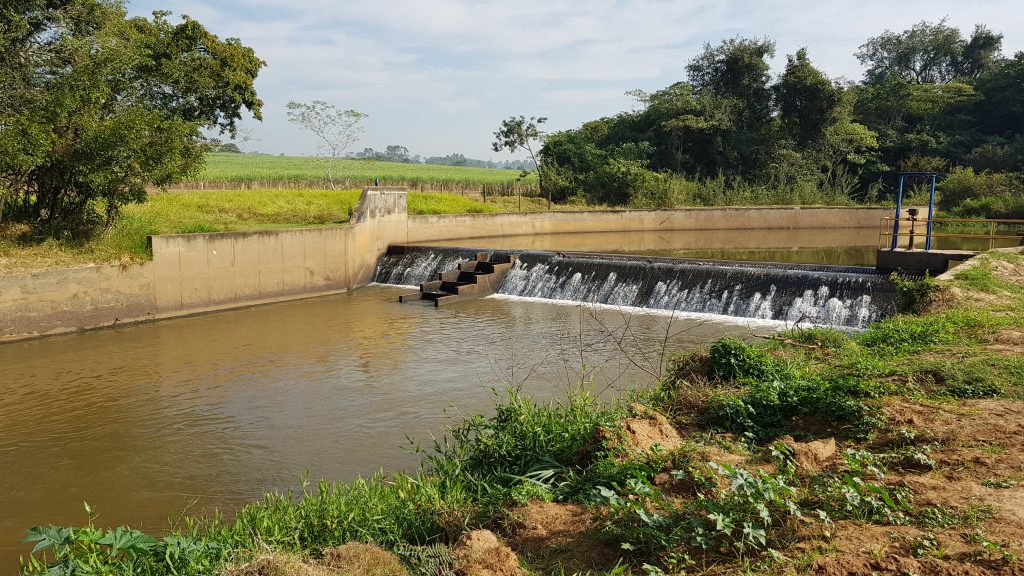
[
  {"x": 462, "y": 226},
  {"x": 195, "y": 273}
]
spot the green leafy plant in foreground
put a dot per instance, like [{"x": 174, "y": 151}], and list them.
[
  {"x": 123, "y": 551},
  {"x": 743, "y": 518},
  {"x": 858, "y": 492}
]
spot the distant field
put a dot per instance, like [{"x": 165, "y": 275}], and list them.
[{"x": 253, "y": 170}]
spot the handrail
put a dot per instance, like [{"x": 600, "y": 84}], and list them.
[
  {"x": 996, "y": 221},
  {"x": 889, "y": 229}
]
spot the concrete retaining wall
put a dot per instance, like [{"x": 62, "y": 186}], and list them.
[
  {"x": 54, "y": 301},
  {"x": 461, "y": 226},
  {"x": 193, "y": 273}
]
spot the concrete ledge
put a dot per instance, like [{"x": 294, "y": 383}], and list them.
[
  {"x": 434, "y": 228},
  {"x": 933, "y": 262}
]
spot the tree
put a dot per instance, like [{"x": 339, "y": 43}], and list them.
[
  {"x": 731, "y": 86},
  {"x": 809, "y": 103},
  {"x": 396, "y": 153},
  {"x": 1000, "y": 110},
  {"x": 519, "y": 133},
  {"x": 736, "y": 68},
  {"x": 930, "y": 53},
  {"x": 336, "y": 129},
  {"x": 96, "y": 106}
]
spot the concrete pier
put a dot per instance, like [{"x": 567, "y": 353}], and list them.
[{"x": 933, "y": 262}]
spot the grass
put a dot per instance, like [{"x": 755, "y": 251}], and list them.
[
  {"x": 226, "y": 168},
  {"x": 477, "y": 470},
  {"x": 215, "y": 211}
]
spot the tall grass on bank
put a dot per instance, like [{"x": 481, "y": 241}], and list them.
[{"x": 478, "y": 469}]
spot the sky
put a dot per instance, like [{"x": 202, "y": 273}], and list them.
[{"x": 439, "y": 76}]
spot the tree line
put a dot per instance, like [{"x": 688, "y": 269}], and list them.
[
  {"x": 401, "y": 154},
  {"x": 932, "y": 99}
]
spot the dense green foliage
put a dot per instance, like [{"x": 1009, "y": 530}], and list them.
[
  {"x": 95, "y": 106},
  {"x": 931, "y": 100}
]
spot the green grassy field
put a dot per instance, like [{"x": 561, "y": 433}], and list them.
[{"x": 225, "y": 168}]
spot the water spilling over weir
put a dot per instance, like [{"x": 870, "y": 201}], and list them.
[
  {"x": 408, "y": 266},
  {"x": 827, "y": 295}
]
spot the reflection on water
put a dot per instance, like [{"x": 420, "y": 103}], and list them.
[
  {"x": 846, "y": 246},
  {"x": 145, "y": 420},
  {"x": 839, "y": 246}
]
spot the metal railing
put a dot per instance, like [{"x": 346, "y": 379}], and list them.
[{"x": 892, "y": 230}]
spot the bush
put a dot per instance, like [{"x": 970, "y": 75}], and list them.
[
  {"x": 523, "y": 442},
  {"x": 749, "y": 515},
  {"x": 732, "y": 359},
  {"x": 768, "y": 409},
  {"x": 964, "y": 184},
  {"x": 625, "y": 181},
  {"x": 777, "y": 395},
  {"x": 913, "y": 296},
  {"x": 989, "y": 207}
]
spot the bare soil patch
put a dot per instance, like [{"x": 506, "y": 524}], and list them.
[{"x": 552, "y": 536}]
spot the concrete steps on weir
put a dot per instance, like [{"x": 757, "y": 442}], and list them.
[{"x": 471, "y": 279}]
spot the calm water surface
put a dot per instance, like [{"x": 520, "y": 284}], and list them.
[
  {"x": 840, "y": 246},
  {"x": 145, "y": 421}
]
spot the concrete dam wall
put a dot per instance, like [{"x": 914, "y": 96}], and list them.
[{"x": 195, "y": 273}]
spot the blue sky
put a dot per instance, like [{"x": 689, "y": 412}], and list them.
[{"x": 438, "y": 76}]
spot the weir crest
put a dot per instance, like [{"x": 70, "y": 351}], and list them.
[{"x": 841, "y": 296}]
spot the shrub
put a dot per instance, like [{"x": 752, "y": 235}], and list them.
[
  {"x": 777, "y": 395},
  {"x": 963, "y": 184},
  {"x": 770, "y": 408},
  {"x": 913, "y": 296},
  {"x": 989, "y": 207},
  {"x": 523, "y": 442},
  {"x": 733, "y": 359},
  {"x": 742, "y": 519}
]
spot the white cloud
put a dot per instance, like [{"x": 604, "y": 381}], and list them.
[{"x": 439, "y": 75}]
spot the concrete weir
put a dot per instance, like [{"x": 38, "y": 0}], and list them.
[
  {"x": 847, "y": 296},
  {"x": 197, "y": 273},
  {"x": 475, "y": 278}
]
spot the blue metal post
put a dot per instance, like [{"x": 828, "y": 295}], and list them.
[
  {"x": 896, "y": 222},
  {"x": 931, "y": 216}
]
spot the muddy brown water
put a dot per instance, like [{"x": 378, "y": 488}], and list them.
[
  {"x": 146, "y": 422},
  {"x": 839, "y": 246}
]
